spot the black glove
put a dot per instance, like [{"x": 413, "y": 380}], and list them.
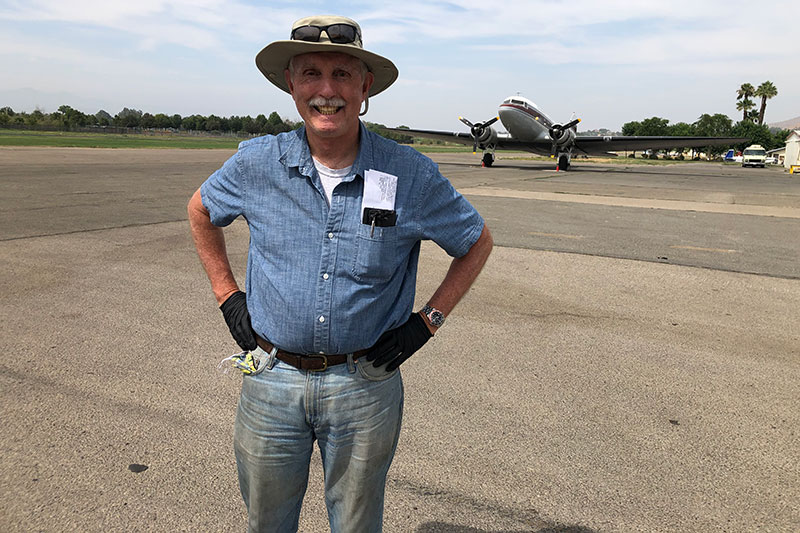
[
  {"x": 397, "y": 345},
  {"x": 234, "y": 309}
]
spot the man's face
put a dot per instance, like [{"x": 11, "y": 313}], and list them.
[{"x": 328, "y": 89}]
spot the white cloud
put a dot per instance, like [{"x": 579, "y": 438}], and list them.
[{"x": 456, "y": 57}]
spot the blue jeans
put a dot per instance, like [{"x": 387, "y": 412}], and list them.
[{"x": 353, "y": 410}]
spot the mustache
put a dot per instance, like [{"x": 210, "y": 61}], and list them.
[{"x": 318, "y": 101}]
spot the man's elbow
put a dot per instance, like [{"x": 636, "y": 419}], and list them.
[
  {"x": 195, "y": 206},
  {"x": 486, "y": 240}
]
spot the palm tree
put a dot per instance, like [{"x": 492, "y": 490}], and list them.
[
  {"x": 745, "y": 106},
  {"x": 766, "y": 91},
  {"x": 745, "y": 91}
]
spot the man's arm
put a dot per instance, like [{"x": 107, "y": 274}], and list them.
[
  {"x": 210, "y": 243},
  {"x": 463, "y": 271},
  {"x": 398, "y": 344}
]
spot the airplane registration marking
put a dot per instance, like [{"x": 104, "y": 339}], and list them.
[
  {"x": 556, "y": 235},
  {"x": 701, "y": 249},
  {"x": 647, "y": 203}
]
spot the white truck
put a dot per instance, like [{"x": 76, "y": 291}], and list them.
[{"x": 754, "y": 156}]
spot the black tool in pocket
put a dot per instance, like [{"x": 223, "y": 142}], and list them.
[{"x": 382, "y": 218}]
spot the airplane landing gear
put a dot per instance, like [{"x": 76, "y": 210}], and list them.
[
  {"x": 563, "y": 162},
  {"x": 488, "y": 159}
]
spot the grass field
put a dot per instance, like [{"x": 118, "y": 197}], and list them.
[{"x": 112, "y": 140}]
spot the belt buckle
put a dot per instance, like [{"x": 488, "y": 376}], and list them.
[{"x": 324, "y": 363}]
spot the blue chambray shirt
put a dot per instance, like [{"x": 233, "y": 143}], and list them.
[{"x": 317, "y": 280}]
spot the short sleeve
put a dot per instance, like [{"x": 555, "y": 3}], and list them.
[
  {"x": 223, "y": 193},
  {"x": 446, "y": 217}
]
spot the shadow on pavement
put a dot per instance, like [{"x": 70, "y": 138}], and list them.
[{"x": 441, "y": 527}]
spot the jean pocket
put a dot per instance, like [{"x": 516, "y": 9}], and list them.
[
  {"x": 370, "y": 372},
  {"x": 261, "y": 358}
]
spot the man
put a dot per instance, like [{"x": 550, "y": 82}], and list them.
[{"x": 336, "y": 215}]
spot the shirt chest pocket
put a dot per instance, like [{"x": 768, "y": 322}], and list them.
[{"x": 376, "y": 257}]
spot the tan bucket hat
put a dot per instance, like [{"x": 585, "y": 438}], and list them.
[{"x": 274, "y": 58}]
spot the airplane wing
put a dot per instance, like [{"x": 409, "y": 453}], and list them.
[
  {"x": 504, "y": 140},
  {"x": 603, "y": 145},
  {"x": 583, "y": 144}
]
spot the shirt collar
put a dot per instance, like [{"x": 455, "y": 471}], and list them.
[{"x": 297, "y": 154}]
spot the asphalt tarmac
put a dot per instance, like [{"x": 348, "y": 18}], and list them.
[{"x": 629, "y": 360}]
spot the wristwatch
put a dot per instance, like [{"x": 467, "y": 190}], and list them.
[{"x": 435, "y": 317}]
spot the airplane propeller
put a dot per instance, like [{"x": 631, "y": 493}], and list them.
[
  {"x": 477, "y": 130},
  {"x": 558, "y": 129}
]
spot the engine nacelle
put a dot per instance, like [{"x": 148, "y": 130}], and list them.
[
  {"x": 561, "y": 136},
  {"x": 487, "y": 137}
]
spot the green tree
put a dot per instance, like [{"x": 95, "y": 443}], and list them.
[
  {"x": 103, "y": 118},
  {"x": 261, "y": 124},
  {"x": 193, "y": 123},
  {"x": 745, "y": 105},
  {"x": 35, "y": 118},
  {"x": 766, "y": 91},
  {"x": 654, "y": 126},
  {"x": 743, "y": 94},
  {"x": 235, "y": 124},
  {"x": 779, "y": 137},
  {"x": 68, "y": 118},
  {"x": 277, "y": 125},
  {"x": 631, "y": 128},
  {"x": 161, "y": 121},
  {"x": 680, "y": 129},
  {"x": 250, "y": 126},
  {"x": 717, "y": 125},
  {"x": 147, "y": 121},
  {"x": 755, "y": 133},
  {"x": 213, "y": 123},
  {"x": 128, "y": 118},
  {"x": 745, "y": 91}
]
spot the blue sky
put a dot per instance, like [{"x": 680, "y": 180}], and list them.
[{"x": 609, "y": 61}]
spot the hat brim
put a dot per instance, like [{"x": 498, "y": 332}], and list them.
[{"x": 273, "y": 60}]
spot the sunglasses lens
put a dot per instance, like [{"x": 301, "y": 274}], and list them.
[
  {"x": 341, "y": 33},
  {"x": 306, "y": 33}
]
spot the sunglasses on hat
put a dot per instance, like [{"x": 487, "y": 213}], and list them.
[{"x": 337, "y": 33}]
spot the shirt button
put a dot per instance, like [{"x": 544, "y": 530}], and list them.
[
  {"x": 322, "y": 319},
  {"x": 330, "y": 235},
  {"x": 325, "y": 276}
]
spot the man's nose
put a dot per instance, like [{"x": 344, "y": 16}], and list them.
[{"x": 326, "y": 86}]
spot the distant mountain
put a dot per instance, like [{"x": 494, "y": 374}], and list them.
[{"x": 791, "y": 124}]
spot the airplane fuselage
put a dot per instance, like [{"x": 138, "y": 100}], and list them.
[{"x": 523, "y": 120}]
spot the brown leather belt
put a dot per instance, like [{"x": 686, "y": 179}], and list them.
[{"x": 313, "y": 362}]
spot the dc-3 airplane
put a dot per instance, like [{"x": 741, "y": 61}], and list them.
[{"x": 531, "y": 130}]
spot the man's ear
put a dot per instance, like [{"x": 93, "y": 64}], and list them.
[
  {"x": 288, "y": 76},
  {"x": 369, "y": 79}
]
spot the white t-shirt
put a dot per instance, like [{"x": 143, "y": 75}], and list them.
[{"x": 331, "y": 177}]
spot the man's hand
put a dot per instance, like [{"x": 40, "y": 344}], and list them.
[
  {"x": 397, "y": 345},
  {"x": 234, "y": 309}
]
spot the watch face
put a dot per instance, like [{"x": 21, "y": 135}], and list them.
[{"x": 435, "y": 317}]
